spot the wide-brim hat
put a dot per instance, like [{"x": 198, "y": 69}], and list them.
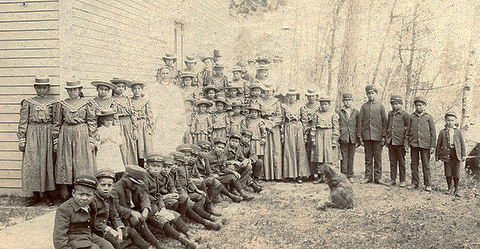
[
  {"x": 136, "y": 173},
  {"x": 106, "y": 112},
  {"x": 236, "y": 135},
  {"x": 170, "y": 56},
  {"x": 312, "y": 91},
  {"x": 203, "y": 102},
  {"x": 325, "y": 99},
  {"x": 187, "y": 74},
  {"x": 133, "y": 83},
  {"x": 254, "y": 107},
  {"x": 236, "y": 104},
  {"x": 292, "y": 91},
  {"x": 237, "y": 69},
  {"x": 262, "y": 67},
  {"x": 233, "y": 86},
  {"x": 105, "y": 173},
  {"x": 42, "y": 80},
  {"x": 222, "y": 100},
  {"x": 118, "y": 81},
  {"x": 190, "y": 59},
  {"x": 73, "y": 84},
  {"x": 86, "y": 180},
  {"x": 256, "y": 85},
  {"x": 210, "y": 87},
  {"x": 103, "y": 83},
  {"x": 268, "y": 87}
]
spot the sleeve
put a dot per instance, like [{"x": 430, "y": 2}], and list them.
[
  {"x": 408, "y": 130},
  {"x": 384, "y": 121},
  {"x": 360, "y": 121},
  {"x": 277, "y": 120},
  {"x": 303, "y": 117},
  {"x": 359, "y": 133},
  {"x": 335, "y": 127},
  {"x": 115, "y": 217},
  {"x": 263, "y": 129},
  {"x": 99, "y": 225},
  {"x": 60, "y": 229},
  {"x": 144, "y": 199},
  {"x": 57, "y": 121},
  {"x": 124, "y": 212},
  {"x": 23, "y": 122},
  {"x": 149, "y": 117},
  {"x": 406, "y": 122},
  {"x": 439, "y": 145},
  {"x": 433, "y": 134},
  {"x": 208, "y": 169},
  {"x": 91, "y": 120}
]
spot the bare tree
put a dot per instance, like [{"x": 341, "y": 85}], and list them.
[{"x": 332, "y": 46}]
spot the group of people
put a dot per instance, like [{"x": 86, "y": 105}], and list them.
[{"x": 139, "y": 163}]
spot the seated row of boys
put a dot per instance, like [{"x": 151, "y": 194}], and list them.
[{"x": 102, "y": 213}]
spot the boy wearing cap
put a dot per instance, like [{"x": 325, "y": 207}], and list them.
[
  {"x": 220, "y": 118},
  {"x": 73, "y": 222},
  {"x": 35, "y": 141},
  {"x": 398, "y": 121},
  {"x": 451, "y": 150},
  {"x": 373, "y": 131},
  {"x": 250, "y": 153},
  {"x": 421, "y": 138},
  {"x": 349, "y": 134}
]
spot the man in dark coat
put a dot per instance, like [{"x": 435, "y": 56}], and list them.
[{"x": 349, "y": 134}]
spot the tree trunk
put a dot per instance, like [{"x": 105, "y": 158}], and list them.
[{"x": 331, "y": 56}]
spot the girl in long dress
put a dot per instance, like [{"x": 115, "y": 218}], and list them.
[
  {"x": 295, "y": 161},
  {"x": 306, "y": 116},
  {"x": 142, "y": 110},
  {"x": 220, "y": 119},
  {"x": 257, "y": 126},
  {"x": 35, "y": 141},
  {"x": 74, "y": 132},
  {"x": 201, "y": 128},
  {"x": 272, "y": 114},
  {"x": 103, "y": 101},
  {"x": 126, "y": 121},
  {"x": 109, "y": 140}
]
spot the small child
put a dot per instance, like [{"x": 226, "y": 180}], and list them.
[
  {"x": 201, "y": 125},
  {"x": 258, "y": 128},
  {"x": 237, "y": 73},
  {"x": 237, "y": 120},
  {"x": 220, "y": 118},
  {"x": 233, "y": 93},
  {"x": 249, "y": 152},
  {"x": 349, "y": 134},
  {"x": 109, "y": 139},
  {"x": 219, "y": 79},
  {"x": 210, "y": 93},
  {"x": 73, "y": 220},
  {"x": 143, "y": 112},
  {"x": 255, "y": 92},
  {"x": 190, "y": 90},
  {"x": 451, "y": 150}
]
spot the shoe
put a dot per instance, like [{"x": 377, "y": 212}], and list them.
[
  {"x": 246, "y": 197},
  {"x": 365, "y": 181},
  {"x": 414, "y": 186},
  {"x": 456, "y": 193},
  {"x": 191, "y": 236},
  {"x": 448, "y": 192},
  {"x": 402, "y": 184},
  {"x": 213, "y": 225},
  {"x": 256, "y": 188},
  {"x": 236, "y": 198},
  {"x": 212, "y": 212},
  {"x": 186, "y": 242},
  {"x": 428, "y": 188},
  {"x": 391, "y": 183},
  {"x": 378, "y": 182},
  {"x": 299, "y": 180},
  {"x": 33, "y": 201}
]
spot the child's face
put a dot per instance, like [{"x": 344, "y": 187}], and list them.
[
  {"x": 155, "y": 168},
  {"x": 234, "y": 142},
  {"x": 419, "y": 107},
  {"x": 42, "y": 91},
  {"x": 187, "y": 81},
  {"x": 82, "y": 195},
  {"x": 395, "y": 105},
  {"x": 347, "y": 103},
  {"x": 233, "y": 92},
  {"x": 73, "y": 92},
  {"x": 211, "y": 94},
  {"x": 325, "y": 106},
  {"x": 169, "y": 62},
  {"x": 311, "y": 98},
  {"x": 262, "y": 74},
  {"x": 137, "y": 90},
  {"x": 102, "y": 91},
  {"x": 450, "y": 121},
  {"x": 246, "y": 138},
  {"x": 236, "y": 109},
  {"x": 166, "y": 168},
  {"x": 220, "y": 106},
  {"x": 254, "y": 113},
  {"x": 237, "y": 75},
  {"x": 219, "y": 147},
  {"x": 107, "y": 121},
  {"x": 256, "y": 92},
  {"x": 163, "y": 74},
  {"x": 371, "y": 95},
  {"x": 268, "y": 93},
  {"x": 202, "y": 108},
  {"x": 120, "y": 88},
  {"x": 105, "y": 186},
  {"x": 188, "y": 156},
  {"x": 291, "y": 98},
  {"x": 187, "y": 105},
  {"x": 204, "y": 150},
  {"x": 218, "y": 71},
  {"x": 189, "y": 65}
]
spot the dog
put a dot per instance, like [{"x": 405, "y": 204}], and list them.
[{"x": 341, "y": 192}]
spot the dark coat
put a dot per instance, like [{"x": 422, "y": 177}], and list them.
[
  {"x": 120, "y": 193},
  {"x": 103, "y": 211},
  {"x": 421, "y": 131},
  {"x": 398, "y": 123},
  {"x": 72, "y": 227},
  {"x": 349, "y": 126},
  {"x": 373, "y": 121},
  {"x": 443, "y": 147}
]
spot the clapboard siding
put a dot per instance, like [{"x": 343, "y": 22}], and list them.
[{"x": 29, "y": 45}]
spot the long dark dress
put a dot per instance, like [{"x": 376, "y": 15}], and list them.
[
  {"x": 128, "y": 126},
  {"x": 273, "y": 145}
]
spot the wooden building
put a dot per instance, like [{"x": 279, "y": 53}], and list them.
[{"x": 92, "y": 40}]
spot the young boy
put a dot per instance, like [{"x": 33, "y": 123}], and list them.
[
  {"x": 373, "y": 130},
  {"x": 349, "y": 134},
  {"x": 421, "y": 138},
  {"x": 219, "y": 79},
  {"x": 251, "y": 154},
  {"x": 73, "y": 223},
  {"x": 398, "y": 121},
  {"x": 106, "y": 220},
  {"x": 451, "y": 150}
]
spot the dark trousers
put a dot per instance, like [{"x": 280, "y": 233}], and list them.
[
  {"x": 396, "y": 153},
  {"x": 373, "y": 160},
  {"x": 417, "y": 153},
  {"x": 452, "y": 167},
  {"x": 257, "y": 168},
  {"x": 348, "y": 154}
]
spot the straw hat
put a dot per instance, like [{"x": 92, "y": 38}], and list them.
[
  {"x": 254, "y": 107},
  {"x": 103, "y": 83},
  {"x": 133, "y": 83},
  {"x": 190, "y": 59},
  {"x": 106, "y": 112},
  {"x": 73, "y": 84},
  {"x": 169, "y": 56},
  {"x": 118, "y": 80},
  {"x": 42, "y": 80},
  {"x": 203, "y": 101}
]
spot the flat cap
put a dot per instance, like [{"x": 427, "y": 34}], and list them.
[
  {"x": 419, "y": 99},
  {"x": 178, "y": 156},
  {"x": 347, "y": 96},
  {"x": 247, "y": 132},
  {"x": 154, "y": 157},
  {"x": 450, "y": 114},
  {"x": 86, "y": 180},
  {"x": 185, "y": 148},
  {"x": 219, "y": 140},
  {"x": 168, "y": 159},
  {"x": 371, "y": 88},
  {"x": 136, "y": 173},
  {"x": 396, "y": 98},
  {"x": 195, "y": 148},
  {"x": 105, "y": 173},
  {"x": 236, "y": 135},
  {"x": 204, "y": 144}
]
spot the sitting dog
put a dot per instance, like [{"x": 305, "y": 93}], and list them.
[{"x": 341, "y": 193}]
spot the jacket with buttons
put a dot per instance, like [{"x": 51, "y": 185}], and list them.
[
  {"x": 421, "y": 131},
  {"x": 72, "y": 227},
  {"x": 373, "y": 121},
  {"x": 349, "y": 126},
  {"x": 104, "y": 214},
  {"x": 120, "y": 194},
  {"x": 443, "y": 146},
  {"x": 398, "y": 122}
]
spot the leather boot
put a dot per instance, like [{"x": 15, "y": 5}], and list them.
[
  {"x": 186, "y": 242},
  {"x": 256, "y": 187},
  {"x": 212, "y": 225},
  {"x": 194, "y": 237},
  {"x": 245, "y": 197}
]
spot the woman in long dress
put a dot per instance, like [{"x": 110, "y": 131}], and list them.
[
  {"x": 142, "y": 110},
  {"x": 168, "y": 110},
  {"x": 35, "y": 136},
  {"x": 306, "y": 115},
  {"x": 295, "y": 162}
]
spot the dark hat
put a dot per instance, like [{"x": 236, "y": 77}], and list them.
[
  {"x": 234, "y": 86},
  {"x": 118, "y": 80},
  {"x": 73, "y": 84},
  {"x": 178, "y": 156},
  {"x": 247, "y": 132},
  {"x": 191, "y": 59},
  {"x": 133, "y": 83},
  {"x": 106, "y": 112},
  {"x": 347, "y": 96},
  {"x": 236, "y": 135},
  {"x": 396, "y": 98},
  {"x": 218, "y": 65},
  {"x": 325, "y": 99},
  {"x": 42, "y": 80},
  {"x": 203, "y": 101},
  {"x": 219, "y": 140},
  {"x": 204, "y": 143},
  {"x": 210, "y": 87},
  {"x": 105, "y": 173},
  {"x": 217, "y": 53},
  {"x": 312, "y": 91},
  {"x": 185, "y": 148},
  {"x": 254, "y": 106},
  {"x": 236, "y": 103},
  {"x": 450, "y": 114},
  {"x": 370, "y": 88},
  {"x": 221, "y": 99},
  {"x": 256, "y": 85},
  {"x": 169, "y": 56},
  {"x": 154, "y": 157},
  {"x": 168, "y": 159},
  {"x": 187, "y": 74},
  {"x": 262, "y": 59},
  {"x": 86, "y": 180},
  {"x": 419, "y": 99},
  {"x": 136, "y": 173},
  {"x": 195, "y": 148},
  {"x": 262, "y": 67}
]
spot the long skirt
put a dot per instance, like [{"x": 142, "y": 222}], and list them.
[
  {"x": 273, "y": 155},
  {"x": 308, "y": 147},
  {"x": 74, "y": 155},
  {"x": 200, "y": 136},
  {"x": 37, "y": 167},
  {"x": 144, "y": 142},
  {"x": 295, "y": 161},
  {"x": 128, "y": 147},
  {"x": 257, "y": 147},
  {"x": 322, "y": 147}
]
